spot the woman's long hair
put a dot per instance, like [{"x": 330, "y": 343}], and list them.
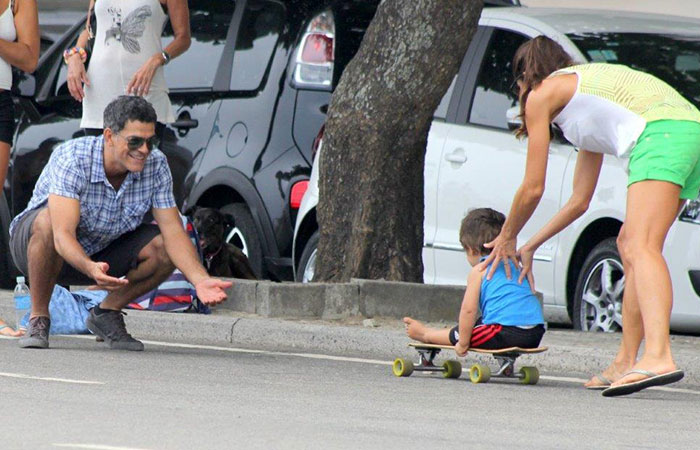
[{"x": 534, "y": 61}]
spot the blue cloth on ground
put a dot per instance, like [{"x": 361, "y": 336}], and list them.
[{"x": 69, "y": 310}]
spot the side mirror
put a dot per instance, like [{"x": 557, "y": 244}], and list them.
[
  {"x": 513, "y": 118},
  {"x": 26, "y": 86}
]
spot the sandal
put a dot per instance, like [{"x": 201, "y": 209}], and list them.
[{"x": 605, "y": 383}]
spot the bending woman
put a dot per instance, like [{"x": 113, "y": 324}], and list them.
[
  {"x": 610, "y": 109},
  {"x": 19, "y": 47}
]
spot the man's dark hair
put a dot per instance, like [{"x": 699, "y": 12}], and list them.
[
  {"x": 127, "y": 108},
  {"x": 479, "y": 227}
]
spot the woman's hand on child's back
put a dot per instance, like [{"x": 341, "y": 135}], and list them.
[
  {"x": 525, "y": 256},
  {"x": 503, "y": 249}
]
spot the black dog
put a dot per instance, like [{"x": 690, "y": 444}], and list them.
[{"x": 222, "y": 259}]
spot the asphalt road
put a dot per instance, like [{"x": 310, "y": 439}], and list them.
[{"x": 172, "y": 396}]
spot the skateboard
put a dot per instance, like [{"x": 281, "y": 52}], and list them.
[{"x": 478, "y": 373}]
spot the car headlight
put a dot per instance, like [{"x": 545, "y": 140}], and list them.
[{"x": 691, "y": 212}]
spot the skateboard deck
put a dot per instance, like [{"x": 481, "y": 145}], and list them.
[
  {"x": 500, "y": 351},
  {"x": 478, "y": 373}
]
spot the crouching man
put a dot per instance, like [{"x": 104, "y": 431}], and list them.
[{"x": 83, "y": 225}]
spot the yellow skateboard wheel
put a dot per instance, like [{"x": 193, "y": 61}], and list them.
[
  {"x": 530, "y": 375},
  {"x": 479, "y": 373},
  {"x": 402, "y": 367},
  {"x": 451, "y": 369}
]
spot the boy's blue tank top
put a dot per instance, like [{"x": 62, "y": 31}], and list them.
[{"x": 506, "y": 302}]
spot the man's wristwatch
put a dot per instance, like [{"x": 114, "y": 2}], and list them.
[{"x": 166, "y": 57}]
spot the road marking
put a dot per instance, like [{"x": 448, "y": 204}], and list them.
[
  {"x": 58, "y": 380},
  {"x": 96, "y": 447},
  {"x": 264, "y": 352},
  {"x": 343, "y": 358}
]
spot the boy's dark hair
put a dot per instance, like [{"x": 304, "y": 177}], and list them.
[
  {"x": 479, "y": 227},
  {"x": 127, "y": 108}
]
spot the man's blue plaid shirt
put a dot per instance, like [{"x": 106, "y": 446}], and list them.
[{"x": 76, "y": 170}]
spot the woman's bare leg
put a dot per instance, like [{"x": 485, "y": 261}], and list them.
[
  {"x": 632, "y": 329},
  {"x": 652, "y": 207}
]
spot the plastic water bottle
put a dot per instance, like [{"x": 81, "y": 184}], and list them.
[{"x": 23, "y": 303}]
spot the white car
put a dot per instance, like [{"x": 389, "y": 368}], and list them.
[{"x": 473, "y": 160}]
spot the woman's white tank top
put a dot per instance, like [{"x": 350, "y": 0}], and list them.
[
  {"x": 128, "y": 33},
  {"x": 7, "y": 33},
  {"x": 613, "y": 104}
]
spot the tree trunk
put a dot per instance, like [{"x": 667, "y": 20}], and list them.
[{"x": 370, "y": 210}]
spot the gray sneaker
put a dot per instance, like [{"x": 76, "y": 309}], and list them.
[
  {"x": 110, "y": 327},
  {"x": 37, "y": 335}
]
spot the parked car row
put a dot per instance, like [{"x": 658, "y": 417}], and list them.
[
  {"x": 249, "y": 97},
  {"x": 473, "y": 160}
]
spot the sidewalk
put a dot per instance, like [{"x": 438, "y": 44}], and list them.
[{"x": 570, "y": 352}]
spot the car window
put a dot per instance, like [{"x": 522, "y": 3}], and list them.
[
  {"x": 257, "y": 38},
  {"x": 197, "y": 67},
  {"x": 492, "y": 94},
  {"x": 441, "y": 111}
]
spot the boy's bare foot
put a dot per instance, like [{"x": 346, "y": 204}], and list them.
[
  {"x": 414, "y": 329},
  {"x": 613, "y": 373}
]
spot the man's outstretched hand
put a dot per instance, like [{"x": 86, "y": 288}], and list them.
[
  {"x": 210, "y": 291},
  {"x": 98, "y": 272}
]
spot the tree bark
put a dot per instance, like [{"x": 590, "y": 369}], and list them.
[{"x": 371, "y": 203}]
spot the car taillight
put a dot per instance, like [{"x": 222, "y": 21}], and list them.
[
  {"x": 317, "y": 49},
  {"x": 318, "y": 141},
  {"x": 314, "y": 61},
  {"x": 298, "y": 191}
]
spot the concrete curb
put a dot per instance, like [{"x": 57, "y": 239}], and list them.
[{"x": 368, "y": 298}]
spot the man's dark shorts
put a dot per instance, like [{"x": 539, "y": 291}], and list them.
[{"x": 121, "y": 254}]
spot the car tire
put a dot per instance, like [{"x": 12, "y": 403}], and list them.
[
  {"x": 244, "y": 235},
  {"x": 307, "y": 262},
  {"x": 599, "y": 289}
]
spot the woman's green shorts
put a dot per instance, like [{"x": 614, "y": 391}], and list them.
[{"x": 668, "y": 150}]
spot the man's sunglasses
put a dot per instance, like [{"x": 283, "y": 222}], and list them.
[{"x": 136, "y": 142}]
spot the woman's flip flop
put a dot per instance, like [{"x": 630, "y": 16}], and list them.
[
  {"x": 605, "y": 383},
  {"x": 653, "y": 379}
]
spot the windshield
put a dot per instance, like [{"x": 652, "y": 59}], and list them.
[{"x": 673, "y": 58}]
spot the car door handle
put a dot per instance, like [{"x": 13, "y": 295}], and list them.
[
  {"x": 185, "y": 123},
  {"x": 457, "y": 156}
]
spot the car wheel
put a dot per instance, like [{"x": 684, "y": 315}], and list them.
[
  {"x": 244, "y": 235},
  {"x": 307, "y": 262},
  {"x": 599, "y": 289}
]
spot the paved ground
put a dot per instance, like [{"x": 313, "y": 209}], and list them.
[{"x": 174, "y": 397}]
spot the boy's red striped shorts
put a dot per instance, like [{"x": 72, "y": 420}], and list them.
[{"x": 495, "y": 336}]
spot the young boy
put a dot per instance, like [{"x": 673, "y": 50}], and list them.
[{"x": 511, "y": 316}]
